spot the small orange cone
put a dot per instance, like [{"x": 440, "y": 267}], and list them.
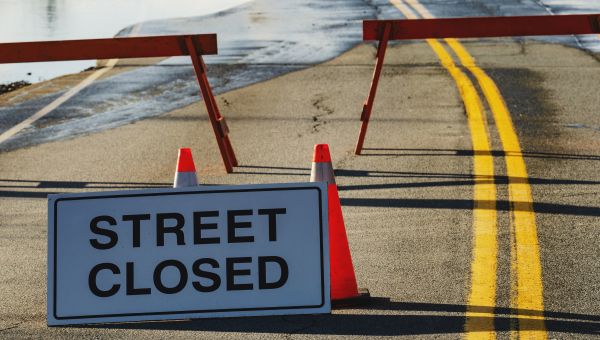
[
  {"x": 344, "y": 290},
  {"x": 185, "y": 174}
]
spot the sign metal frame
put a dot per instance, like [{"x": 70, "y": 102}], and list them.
[{"x": 53, "y": 219}]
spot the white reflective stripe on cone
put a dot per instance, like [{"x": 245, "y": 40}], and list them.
[
  {"x": 322, "y": 172},
  {"x": 185, "y": 179}
]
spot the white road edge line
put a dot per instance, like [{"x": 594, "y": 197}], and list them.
[{"x": 68, "y": 95}]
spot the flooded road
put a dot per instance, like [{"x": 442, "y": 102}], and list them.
[
  {"x": 31, "y": 20},
  {"x": 258, "y": 40},
  {"x": 36, "y": 20},
  {"x": 478, "y": 8}
]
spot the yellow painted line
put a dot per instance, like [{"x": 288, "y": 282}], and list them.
[
  {"x": 528, "y": 263},
  {"x": 422, "y": 10},
  {"x": 404, "y": 9},
  {"x": 482, "y": 292},
  {"x": 485, "y": 244},
  {"x": 529, "y": 286},
  {"x": 62, "y": 99}
]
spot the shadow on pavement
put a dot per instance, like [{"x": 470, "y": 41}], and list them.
[
  {"x": 400, "y": 174},
  {"x": 478, "y": 180},
  {"x": 43, "y": 184},
  {"x": 271, "y": 170},
  {"x": 459, "y": 152},
  {"x": 462, "y": 204},
  {"x": 379, "y": 321}
]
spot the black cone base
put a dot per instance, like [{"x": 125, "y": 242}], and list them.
[{"x": 363, "y": 299}]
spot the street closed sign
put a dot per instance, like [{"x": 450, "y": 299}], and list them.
[{"x": 188, "y": 253}]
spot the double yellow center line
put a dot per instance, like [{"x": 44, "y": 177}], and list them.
[{"x": 526, "y": 261}]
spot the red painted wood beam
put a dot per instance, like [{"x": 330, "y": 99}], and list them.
[
  {"x": 136, "y": 47},
  {"x": 482, "y": 27}
]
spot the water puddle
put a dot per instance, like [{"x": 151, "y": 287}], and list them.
[
  {"x": 37, "y": 20},
  {"x": 582, "y": 126}
]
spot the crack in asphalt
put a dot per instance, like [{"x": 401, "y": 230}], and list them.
[
  {"x": 11, "y": 327},
  {"x": 318, "y": 104}
]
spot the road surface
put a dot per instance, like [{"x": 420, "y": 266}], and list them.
[{"x": 471, "y": 213}]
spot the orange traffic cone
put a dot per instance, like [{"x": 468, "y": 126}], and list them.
[
  {"x": 344, "y": 290},
  {"x": 185, "y": 174}
]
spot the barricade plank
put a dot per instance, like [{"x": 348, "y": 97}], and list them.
[
  {"x": 482, "y": 27},
  {"x": 136, "y": 47}
]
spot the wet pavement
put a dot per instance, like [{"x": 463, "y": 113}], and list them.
[
  {"x": 257, "y": 42},
  {"x": 477, "y": 8},
  {"x": 262, "y": 44},
  {"x": 75, "y": 19}
]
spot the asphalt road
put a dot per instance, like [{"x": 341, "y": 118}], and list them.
[{"x": 409, "y": 201}]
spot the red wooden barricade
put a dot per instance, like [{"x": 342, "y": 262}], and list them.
[
  {"x": 137, "y": 47},
  {"x": 386, "y": 30}
]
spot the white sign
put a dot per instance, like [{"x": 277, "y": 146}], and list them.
[{"x": 188, "y": 253}]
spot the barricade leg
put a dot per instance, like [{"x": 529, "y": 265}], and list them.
[
  {"x": 230, "y": 152},
  {"x": 224, "y": 128},
  {"x": 217, "y": 121},
  {"x": 368, "y": 105}
]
